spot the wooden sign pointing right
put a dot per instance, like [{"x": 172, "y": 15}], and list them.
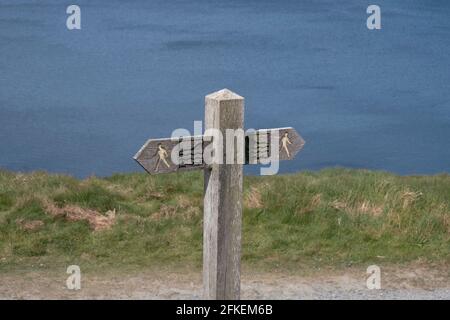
[{"x": 259, "y": 146}]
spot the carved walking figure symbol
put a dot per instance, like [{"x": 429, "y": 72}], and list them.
[
  {"x": 284, "y": 143},
  {"x": 162, "y": 154}
]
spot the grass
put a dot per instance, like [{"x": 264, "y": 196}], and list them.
[{"x": 331, "y": 218}]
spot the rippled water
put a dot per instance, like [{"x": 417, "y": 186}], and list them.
[{"x": 83, "y": 102}]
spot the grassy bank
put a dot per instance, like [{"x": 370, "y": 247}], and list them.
[{"x": 335, "y": 217}]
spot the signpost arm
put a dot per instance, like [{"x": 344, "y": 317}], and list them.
[{"x": 222, "y": 204}]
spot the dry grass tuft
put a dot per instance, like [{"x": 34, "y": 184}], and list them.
[
  {"x": 253, "y": 198},
  {"x": 445, "y": 218},
  {"x": 31, "y": 225},
  {"x": 339, "y": 205},
  {"x": 96, "y": 220},
  {"x": 368, "y": 208},
  {"x": 316, "y": 200},
  {"x": 409, "y": 197},
  {"x": 165, "y": 212},
  {"x": 313, "y": 204},
  {"x": 364, "y": 207},
  {"x": 184, "y": 209}
]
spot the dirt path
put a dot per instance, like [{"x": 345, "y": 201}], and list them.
[{"x": 397, "y": 283}]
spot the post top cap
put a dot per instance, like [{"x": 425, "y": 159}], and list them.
[{"x": 224, "y": 94}]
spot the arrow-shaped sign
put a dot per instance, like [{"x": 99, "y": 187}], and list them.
[
  {"x": 261, "y": 144},
  {"x": 156, "y": 155}
]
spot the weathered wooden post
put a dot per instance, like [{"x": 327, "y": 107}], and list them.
[
  {"x": 222, "y": 204},
  {"x": 222, "y": 216}
]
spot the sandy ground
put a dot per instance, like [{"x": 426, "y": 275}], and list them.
[{"x": 396, "y": 283}]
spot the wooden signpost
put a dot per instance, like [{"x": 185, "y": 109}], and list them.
[{"x": 222, "y": 214}]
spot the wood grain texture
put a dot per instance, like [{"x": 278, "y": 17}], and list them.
[
  {"x": 189, "y": 152},
  {"x": 222, "y": 205},
  {"x": 259, "y": 144},
  {"x": 258, "y": 148}
]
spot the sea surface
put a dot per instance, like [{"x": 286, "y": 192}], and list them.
[{"x": 82, "y": 102}]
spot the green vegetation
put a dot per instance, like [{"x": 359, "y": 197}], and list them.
[{"x": 335, "y": 217}]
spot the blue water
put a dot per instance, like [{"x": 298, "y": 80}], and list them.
[{"x": 83, "y": 102}]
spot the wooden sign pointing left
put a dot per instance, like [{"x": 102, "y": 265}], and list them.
[{"x": 156, "y": 156}]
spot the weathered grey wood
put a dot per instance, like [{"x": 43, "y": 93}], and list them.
[
  {"x": 222, "y": 205},
  {"x": 149, "y": 156},
  {"x": 259, "y": 144},
  {"x": 258, "y": 148},
  {"x": 223, "y": 183}
]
